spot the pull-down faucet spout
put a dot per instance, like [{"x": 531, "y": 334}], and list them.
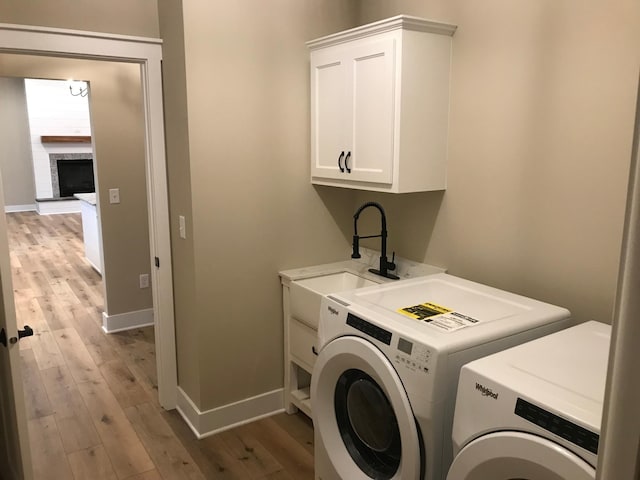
[{"x": 385, "y": 265}]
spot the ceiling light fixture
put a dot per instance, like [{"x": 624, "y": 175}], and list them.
[{"x": 82, "y": 88}]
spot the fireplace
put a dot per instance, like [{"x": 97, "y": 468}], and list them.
[
  {"x": 75, "y": 176},
  {"x": 71, "y": 173}
]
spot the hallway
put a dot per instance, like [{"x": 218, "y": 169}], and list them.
[{"x": 91, "y": 398}]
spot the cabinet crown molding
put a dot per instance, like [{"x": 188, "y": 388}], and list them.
[{"x": 399, "y": 22}]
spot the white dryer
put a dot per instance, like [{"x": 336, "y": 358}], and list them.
[
  {"x": 384, "y": 383},
  {"x": 533, "y": 412}
]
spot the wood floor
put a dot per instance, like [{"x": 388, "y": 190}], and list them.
[{"x": 91, "y": 398}]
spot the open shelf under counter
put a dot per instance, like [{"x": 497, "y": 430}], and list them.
[{"x": 302, "y": 399}]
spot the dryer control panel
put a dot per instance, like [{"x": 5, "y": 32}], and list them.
[{"x": 563, "y": 428}]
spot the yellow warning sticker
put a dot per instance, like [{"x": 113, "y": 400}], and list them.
[{"x": 424, "y": 310}]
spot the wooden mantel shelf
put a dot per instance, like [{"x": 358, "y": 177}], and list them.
[{"x": 65, "y": 139}]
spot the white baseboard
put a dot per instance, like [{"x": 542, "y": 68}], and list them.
[
  {"x": 20, "y": 208},
  {"x": 216, "y": 420},
  {"x": 127, "y": 321},
  {"x": 60, "y": 206}
]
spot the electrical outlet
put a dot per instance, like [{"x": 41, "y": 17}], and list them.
[
  {"x": 183, "y": 228},
  {"x": 144, "y": 280},
  {"x": 114, "y": 195}
]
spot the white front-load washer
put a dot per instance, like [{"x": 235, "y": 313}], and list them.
[
  {"x": 384, "y": 384},
  {"x": 533, "y": 412}
]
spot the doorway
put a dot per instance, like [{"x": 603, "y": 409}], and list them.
[
  {"x": 146, "y": 55},
  {"x": 120, "y": 158}
]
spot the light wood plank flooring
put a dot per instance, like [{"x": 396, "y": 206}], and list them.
[{"x": 91, "y": 398}]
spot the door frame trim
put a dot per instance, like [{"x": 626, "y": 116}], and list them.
[{"x": 146, "y": 52}]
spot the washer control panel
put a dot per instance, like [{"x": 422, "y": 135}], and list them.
[
  {"x": 408, "y": 354},
  {"x": 413, "y": 356},
  {"x": 369, "y": 328}
]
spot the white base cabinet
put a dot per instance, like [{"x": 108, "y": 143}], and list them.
[
  {"x": 300, "y": 344},
  {"x": 380, "y": 106},
  {"x": 90, "y": 230}
]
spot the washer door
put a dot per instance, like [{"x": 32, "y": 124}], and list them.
[
  {"x": 362, "y": 414},
  {"x": 518, "y": 456}
]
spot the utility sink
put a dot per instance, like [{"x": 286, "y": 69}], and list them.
[{"x": 305, "y": 294}]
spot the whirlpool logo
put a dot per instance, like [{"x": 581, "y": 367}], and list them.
[
  {"x": 333, "y": 311},
  {"x": 486, "y": 392}
]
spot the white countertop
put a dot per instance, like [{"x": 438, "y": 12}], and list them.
[
  {"x": 370, "y": 259},
  {"x": 90, "y": 198}
]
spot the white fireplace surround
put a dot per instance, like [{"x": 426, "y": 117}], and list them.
[{"x": 53, "y": 111}]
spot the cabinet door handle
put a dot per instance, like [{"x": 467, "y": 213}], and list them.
[
  {"x": 340, "y": 162},
  {"x": 315, "y": 352},
  {"x": 346, "y": 165}
]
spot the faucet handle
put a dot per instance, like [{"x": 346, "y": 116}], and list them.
[
  {"x": 391, "y": 265},
  {"x": 356, "y": 247}
]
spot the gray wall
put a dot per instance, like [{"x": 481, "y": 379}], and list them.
[
  {"x": 541, "y": 125},
  {"x": 237, "y": 123},
  {"x": 126, "y": 17},
  {"x": 543, "y": 97},
  {"x": 15, "y": 147}
]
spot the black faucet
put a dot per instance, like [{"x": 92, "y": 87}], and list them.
[{"x": 385, "y": 265}]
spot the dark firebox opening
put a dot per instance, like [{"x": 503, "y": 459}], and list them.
[{"x": 75, "y": 176}]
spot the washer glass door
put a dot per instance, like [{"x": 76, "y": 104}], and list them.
[
  {"x": 367, "y": 424},
  {"x": 518, "y": 456},
  {"x": 362, "y": 415}
]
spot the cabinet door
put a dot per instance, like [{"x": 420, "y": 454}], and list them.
[
  {"x": 372, "y": 118},
  {"x": 328, "y": 105}
]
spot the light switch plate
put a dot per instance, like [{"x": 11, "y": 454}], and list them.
[
  {"x": 114, "y": 195},
  {"x": 183, "y": 228}
]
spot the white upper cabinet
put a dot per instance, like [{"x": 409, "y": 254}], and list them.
[{"x": 380, "y": 106}]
